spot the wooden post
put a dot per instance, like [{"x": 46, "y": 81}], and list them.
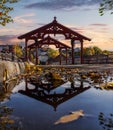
[
  {"x": 60, "y": 61},
  {"x": 36, "y": 55},
  {"x": 30, "y": 54},
  {"x": 26, "y": 84},
  {"x": 72, "y": 46},
  {"x": 26, "y": 53},
  {"x": 66, "y": 56},
  {"x": 81, "y": 53},
  {"x": 36, "y": 52}
]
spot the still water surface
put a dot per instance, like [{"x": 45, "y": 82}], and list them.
[{"x": 36, "y": 111}]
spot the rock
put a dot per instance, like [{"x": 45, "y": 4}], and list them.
[
  {"x": 13, "y": 69},
  {"x": 70, "y": 117}
]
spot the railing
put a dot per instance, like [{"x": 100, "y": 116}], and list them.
[
  {"x": 98, "y": 59},
  {"x": 9, "y": 57},
  {"x": 94, "y": 59}
]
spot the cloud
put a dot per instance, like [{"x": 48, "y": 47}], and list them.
[
  {"x": 100, "y": 37},
  {"x": 79, "y": 30},
  {"x": 24, "y": 19},
  {"x": 99, "y": 28},
  {"x": 98, "y": 24},
  {"x": 8, "y": 39},
  {"x": 62, "y": 4},
  {"x": 41, "y": 24},
  {"x": 6, "y": 30}
]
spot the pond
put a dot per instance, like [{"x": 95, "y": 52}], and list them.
[{"x": 78, "y": 106}]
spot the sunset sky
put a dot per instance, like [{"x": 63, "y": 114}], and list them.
[{"x": 79, "y": 15}]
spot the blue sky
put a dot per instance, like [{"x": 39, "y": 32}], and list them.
[{"x": 80, "y": 15}]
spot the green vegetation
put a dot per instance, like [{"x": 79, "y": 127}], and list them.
[
  {"x": 52, "y": 53},
  {"x": 106, "y": 121},
  {"x": 18, "y": 51},
  {"x": 6, "y": 122},
  {"x": 106, "y": 5},
  {"x": 95, "y": 51},
  {"x": 4, "y": 11}
]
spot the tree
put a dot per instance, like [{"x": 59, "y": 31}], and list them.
[
  {"x": 106, "y": 52},
  {"x": 89, "y": 51},
  {"x": 106, "y": 5},
  {"x": 4, "y": 11},
  {"x": 97, "y": 50},
  {"x": 52, "y": 53},
  {"x": 18, "y": 50},
  {"x": 94, "y": 51}
]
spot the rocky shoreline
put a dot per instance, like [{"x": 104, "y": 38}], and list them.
[{"x": 11, "y": 68}]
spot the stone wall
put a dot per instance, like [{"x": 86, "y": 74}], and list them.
[{"x": 13, "y": 69}]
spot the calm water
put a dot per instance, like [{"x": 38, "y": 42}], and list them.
[{"x": 38, "y": 109}]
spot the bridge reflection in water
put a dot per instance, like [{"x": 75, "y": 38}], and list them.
[{"x": 43, "y": 93}]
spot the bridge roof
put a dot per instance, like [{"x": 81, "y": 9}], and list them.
[
  {"x": 53, "y": 28},
  {"x": 49, "y": 41}
]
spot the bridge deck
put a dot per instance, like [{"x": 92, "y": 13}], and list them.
[{"x": 88, "y": 67}]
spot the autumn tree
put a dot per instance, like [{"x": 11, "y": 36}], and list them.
[
  {"x": 5, "y": 8},
  {"x": 106, "y": 5},
  {"x": 89, "y": 51},
  {"x": 106, "y": 52},
  {"x": 92, "y": 50},
  {"x": 18, "y": 51},
  {"x": 52, "y": 53},
  {"x": 97, "y": 50}
]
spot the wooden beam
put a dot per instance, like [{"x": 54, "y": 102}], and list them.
[
  {"x": 72, "y": 46},
  {"x": 81, "y": 53},
  {"x": 30, "y": 54},
  {"x": 66, "y": 56},
  {"x": 26, "y": 53},
  {"x": 36, "y": 41},
  {"x": 60, "y": 60}
]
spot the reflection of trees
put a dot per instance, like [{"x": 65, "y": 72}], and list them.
[
  {"x": 106, "y": 122},
  {"x": 6, "y": 122},
  {"x": 6, "y": 89}
]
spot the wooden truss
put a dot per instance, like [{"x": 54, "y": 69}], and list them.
[{"x": 53, "y": 28}]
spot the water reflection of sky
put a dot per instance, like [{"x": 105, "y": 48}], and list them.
[{"x": 35, "y": 114}]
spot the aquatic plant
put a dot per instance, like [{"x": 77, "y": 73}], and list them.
[
  {"x": 6, "y": 122},
  {"x": 106, "y": 121}
]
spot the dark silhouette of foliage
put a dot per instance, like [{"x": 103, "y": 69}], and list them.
[
  {"x": 106, "y": 122},
  {"x": 106, "y": 5},
  {"x": 6, "y": 122}
]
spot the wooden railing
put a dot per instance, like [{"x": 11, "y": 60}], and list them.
[
  {"x": 98, "y": 59},
  {"x": 94, "y": 59}
]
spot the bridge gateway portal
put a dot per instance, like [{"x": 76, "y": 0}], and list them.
[{"x": 39, "y": 37}]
